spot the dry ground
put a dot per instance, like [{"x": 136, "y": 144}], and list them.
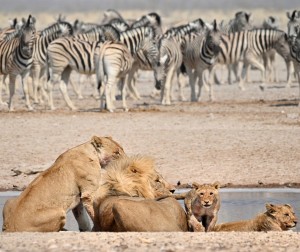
[{"x": 244, "y": 138}]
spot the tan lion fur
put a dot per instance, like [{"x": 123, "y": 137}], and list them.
[
  {"x": 202, "y": 205},
  {"x": 129, "y": 176},
  {"x": 136, "y": 214},
  {"x": 72, "y": 179},
  {"x": 276, "y": 218}
]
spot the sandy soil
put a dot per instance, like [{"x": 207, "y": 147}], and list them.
[{"x": 244, "y": 138}]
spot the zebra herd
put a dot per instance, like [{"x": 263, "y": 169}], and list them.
[{"x": 117, "y": 49}]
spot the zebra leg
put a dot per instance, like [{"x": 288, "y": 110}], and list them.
[
  {"x": 1, "y": 89},
  {"x": 166, "y": 98},
  {"x": 63, "y": 88},
  {"x": 192, "y": 80},
  {"x": 131, "y": 85},
  {"x": 252, "y": 60},
  {"x": 24, "y": 79},
  {"x": 124, "y": 92},
  {"x": 108, "y": 92},
  {"x": 181, "y": 85},
  {"x": 200, "y": 84},
  {"x": 12, "y": 87},
  {"x": 290, "y": 70},
  {"x": 35, "y": 74}
]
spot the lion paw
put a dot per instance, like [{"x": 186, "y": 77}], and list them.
[{"x": 195, "y": 225}]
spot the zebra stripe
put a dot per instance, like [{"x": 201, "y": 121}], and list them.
[{"x": 16, "y": 57}]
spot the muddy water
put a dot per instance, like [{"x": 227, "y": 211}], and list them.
[{"x": 236, "y": 204}]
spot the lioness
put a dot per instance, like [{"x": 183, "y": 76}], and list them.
[
  {"x": 131, "y": 177},
  {"x": 276, "y": 218},
  {"x": 73, "y": 178},
  {"x": 202, "y": 205}
]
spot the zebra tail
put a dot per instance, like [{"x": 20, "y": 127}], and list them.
[
  {"x": 99, "y": 57},
  {"x": 47, "y": 67}
]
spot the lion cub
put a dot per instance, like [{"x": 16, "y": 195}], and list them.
[
  {"x": 202, "y": 204},
  {"x": 276, "y": 218}
]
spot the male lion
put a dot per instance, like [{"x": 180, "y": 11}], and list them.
[
  {"x": 72, "y": 179},
  {"x": 202, "y": 205},
  {"x": 131, "y": 177},
  {"x": 276, "y": 218}
]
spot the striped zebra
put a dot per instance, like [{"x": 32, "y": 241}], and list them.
[
  {"x": 112, "y": 62},
  {"x": 294, "y": 42},
  {"x": 43, "y": 39},
  {"x": 67, "y": 54},
  {"x": 200, "y": 54},
  {"x": 249, "y": 46},
  {"x": 240, "y": 22},
  {"x": 16, "y": 58},
  {"x": 170, "y": 58}
]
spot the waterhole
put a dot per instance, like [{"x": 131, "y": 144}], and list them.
[{"x": 236, "y": 204}]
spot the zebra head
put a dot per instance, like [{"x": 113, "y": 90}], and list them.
[
  {"x": 213, "y": 39},
  {"x": 271, "y": 23},
  {"x": 159, "y": 71},
  {"x": 282, "y": 45},
  {"x": 294, "y": 22},
  {"x": 294, "y": 42},
  {"x": 28, "y": 37}
]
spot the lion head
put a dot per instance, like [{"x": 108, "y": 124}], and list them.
[
  {"x": 107, "y": 149},
  {"x": 207, "y": 194},
  {"x": 284, "y": 215},
  {"x": 137, "y": 177}
]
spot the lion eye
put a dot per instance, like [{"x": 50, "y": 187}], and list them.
[
  {"x": 211, "y": 193},
  {"x": 287, "y": 215},
  {"x": 201, "y": 194}
]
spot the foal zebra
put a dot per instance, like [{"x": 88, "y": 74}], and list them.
[{"x": 16, "y": 58}]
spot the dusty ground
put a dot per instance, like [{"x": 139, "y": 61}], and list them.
[{"x": 244, "y": 138}]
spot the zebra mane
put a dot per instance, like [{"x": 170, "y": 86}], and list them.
[
  {"x": 119, "y": 24},
  {"x": 59, "y": 27}
]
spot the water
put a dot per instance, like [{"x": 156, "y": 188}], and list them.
[{"x": 236, "y": 204}]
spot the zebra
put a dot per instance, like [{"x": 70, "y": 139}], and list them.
[
  {"x": 16, "y": 58},
  {"x": 112, "y": 62},
  {"x": 67, "y": 54},
  {"x": 170, "y": 58},
  {"x": 248, "y": 46},
  {"x": 200, "y": 54},
  {"x": 240, "y": 22},
  {"x": 43, "y": 39},
  {"x": 294, "y": 42}
]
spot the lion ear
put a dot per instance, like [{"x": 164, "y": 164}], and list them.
[
  {"x": 195, "y": 185},
  {"x": 270, "y": 208},
  {"x": 96, "y": 141},
  {"x": 217, "y": 185},
  {"x": 288, "y": 205}
]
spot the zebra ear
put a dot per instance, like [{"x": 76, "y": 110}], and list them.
[
  {"x": 248, "y": 15},
  {"x": 202, "y": 23},
  {"x": 215, "y": 25},
  {"x": 293, "y": 15}
]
